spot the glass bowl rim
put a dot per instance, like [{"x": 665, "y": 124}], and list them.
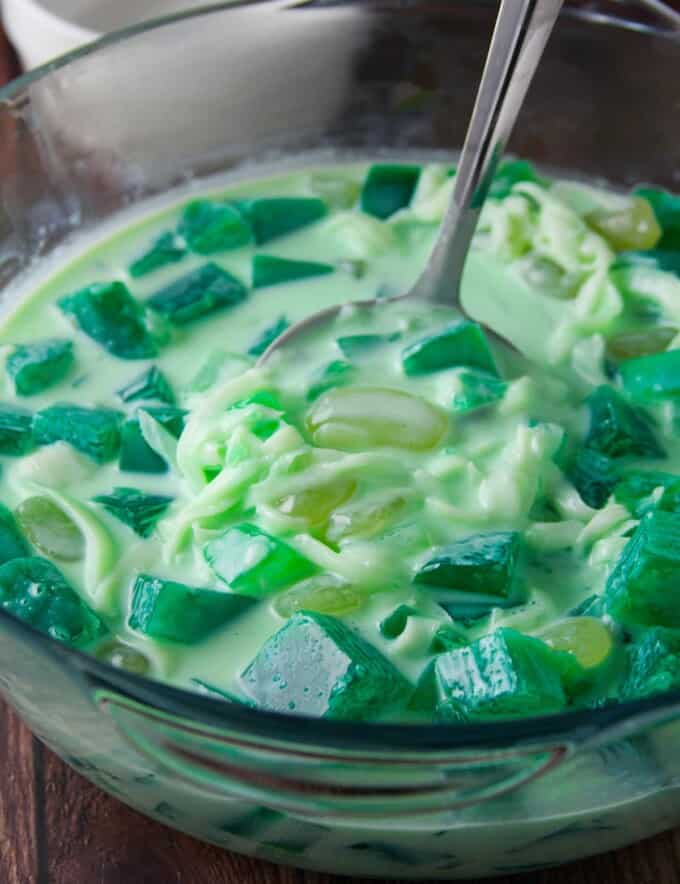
[{"x": 215, "y": 713}]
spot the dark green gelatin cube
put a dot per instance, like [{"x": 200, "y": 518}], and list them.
[
  {"x": 136, "y": 509},
  {"x": 255, "y": 563},
  {"x": 461, "y": 344},
  {"x": 482, "y": 564},
  {"x": 388, "y": 188},
  {"x": 149, "y": 385},
  {"x": 594, "y": 475},
  {"x": 504, "y": 674},
  {"x": 269, "y": 270},
  {"x": 477, "y": 390},
  {"x": 273, "y": 217},
  {"x": 653, "y": 664},
  {"x": 197, "y": 294},
  {"x": 395, "y": 623},
  {"x": 210, "y": 227},
  {"x": 509, "y": 173},
  {"x": 336, "y": 374},
  {"x": 174, "y": 612},
  {"x": 447, "y": 638},
  {"x": 636, "y": 487},
  {"x": 356, "y": 346},
  {"x": 267, "y": 337},
  {"x": 166, "y": 249},
  {"x": 16, "y": 431},
  {"x": 424, "y": 698},
  {"x": 13, "y": 544},
  {"x": 644, "y": 586},
  {"x": 136, "y": 455},
  {"x": 35, "y": 591},
  {"x": 618, "y": 429},
  {"x": 316, "y": 665},
  {"x": 650, "y": 378},
  {"x": 92, "y": 431},
  {"x": 666, "y": 208},
  {"x": 35, "y": 367},
  {"x": 108, "y": 314}
]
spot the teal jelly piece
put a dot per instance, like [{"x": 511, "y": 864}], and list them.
[
  {"x": 262, "y": 425},
  {"x": 16, "y": 431},
  {"x": 478, "y": 389},
  {"x": 651, "y": 378},
  {"x": 35, "y": 591},
  {"x": 511, "y": 172},
  {"x": 395, "y": 623},
  {"x": 447, "y": 638},
  {"x": 316, "y": 665},
  {"x": 388, "y": 188},
  {"x": 653, "y": 664},
  {"x": 273, "y": 217},
  {"x": 107, "y": 313},
  {"x": 210, "y": 227},
  {"x": 269, "y": 270},
  {"x": 149, "y": 385},
  {"x": 168, "y": 416},
  {"x": 170, "y": 611},
  {"x": 666, "y": 207},
  {"x": 41, "y": 364},
  {"x": 166, "y": 249},
  {"x": 482, "y": 564},
  {"x": 461, "y": 344},
  {"x": 255, "y": 563},
  {"x": 636, "y": 487},
  {"x": 643, "y": 587},
  {"x": 267, "y": 336},
  {"x": 136, "y": 455},
  {"x": 134, "y": 508},
  {"x": 594, "y": 475},
  {"x": 356, "y": 346},
  {"x": 13, "y": 544},
  {"x": 268, "y": 398},
  {"x": 664, "y": 260},
  {"x": 424, "y": 698},
  {"x": 93, "y": 431},
  {"x": 504, "y": 674},
  {"x": 197, "y": 294},
  {"x": 336, "y": 374},
  {"x": 619, "y": 429}
]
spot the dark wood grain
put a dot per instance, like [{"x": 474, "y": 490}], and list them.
[{"x": 57, "y": 828}]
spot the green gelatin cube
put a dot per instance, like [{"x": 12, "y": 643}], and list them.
[
  {"x": 163, "y": 609},
  {"x": 425, "y": 698},
  {"x": 651, "y": 378},
  {"x": 644, "y": 586},
  {"x": 269, "y": 270},
  {"x": 666, "y": 208},
  {"x": 505, "y": 674},
  {"x": 93, "y": 431},
  {"x": 13, "y": 544},
  {"x": 266, "y": 398},
  {"x": 653, "y": 665},
  {"x": 447, "y": 638},
  {"x": 636, "y": 487},
  {"x": 136, "y": 455},
  {"x": 509, "y": 173},
  {"x": 336, "y": 374},
  {"x": 356, "y": 346},
  {"x": 594, "y": 475},
  {"x": 483, "y": 565},
  {"x": 267, "y": 337},
  {"x": 395, "y": 623},
  {"x": 663, "y": 260},
  {"x": 107, "y": 313},
  {"x": 255, "y": 563},
  {"x": 273, "y": 217},
  {"x": 388, "y": 188},
  {"x": 316, "y": 665},
  {"x": 618, "y": 429},
  {"x": 35, "y": 367},
  {"x": 136, "y": 509},
  {"x": 35, "y": 591},
  {"x": 149, "y": 385},
  {"x": 169, "y": 417},
  {"x": 477, "y": 389},
  {"x": 461, "y": 344},
  {"x": 197, "y": 294},
  {"x": 209, "y": 227},
  {"x": 16, "y": 431},
  {"x": 166, "y": 249}
]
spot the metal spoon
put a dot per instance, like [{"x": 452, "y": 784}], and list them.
[{"x": 520, "y": 35}]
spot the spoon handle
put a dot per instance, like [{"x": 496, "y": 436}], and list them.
[{"x": 519, "y": 38}]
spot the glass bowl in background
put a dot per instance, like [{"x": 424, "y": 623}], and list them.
[{"x": 144, "y": 112}]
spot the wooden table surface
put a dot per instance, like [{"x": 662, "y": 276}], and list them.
[{"x": 57, "y": 828}]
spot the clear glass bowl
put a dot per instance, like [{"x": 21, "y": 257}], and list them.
[{"x": 146, "y": 111}]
